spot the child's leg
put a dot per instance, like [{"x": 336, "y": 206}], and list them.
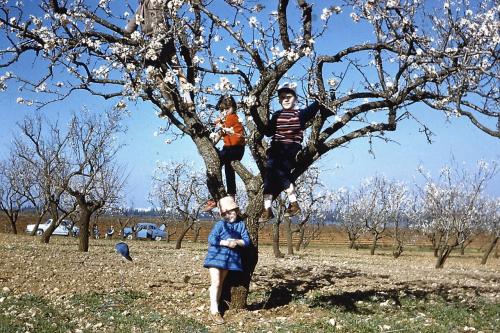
[
  {"x": 227, "y": 155},
  {"x": 223, "y": 275},
  {"x": 290, "y": 191},
  {"x": 216, "y": 278}
]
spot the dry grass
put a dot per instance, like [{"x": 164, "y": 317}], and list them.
[{"x": 319, "y": 289}]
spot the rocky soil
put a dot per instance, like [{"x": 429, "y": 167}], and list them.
[{"x": 174, "y": 280}]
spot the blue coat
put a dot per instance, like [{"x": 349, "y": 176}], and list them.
[{"x": 224, "y": 257}]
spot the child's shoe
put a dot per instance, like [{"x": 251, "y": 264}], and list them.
[
  {"x": 216, "y": 318},
  {"x": 293, "y": 209},
  {"x": 266, "y": 215}
]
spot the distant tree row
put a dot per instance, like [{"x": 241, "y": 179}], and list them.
[
  {"x": 450, "y": 210},
  {"x": 63, "y": 170}
]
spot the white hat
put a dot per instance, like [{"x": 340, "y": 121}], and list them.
[
  {"x": 287, "y": 87},
  {"x": 226, "y": 204}
]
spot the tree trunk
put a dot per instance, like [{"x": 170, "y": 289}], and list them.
[
  {"x": 396, "y": 253},
  {"x": 178, "y": 242},
  {"x": 13, "y": 225},
  {"x": 37, "y": 223},
  {"x": 197, "y": 229},
  {"x": 289, "y": 235},
  {"x": 85, "y": 215},
  {"x": 374, "y": 244},
  {"x": 442, "y": 256},
  {"x": 302, "y": 231},
  {"x": 490, "y": 248},
  {"x": 276, "y": 239},
  {"x": 352, "y": 241},
  {"x": 48, "y": 232}
]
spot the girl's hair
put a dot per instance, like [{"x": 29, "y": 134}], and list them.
[{"x": 226, "y": 101}]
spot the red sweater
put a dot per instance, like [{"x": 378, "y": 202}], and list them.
[{"x": 238, "y": 138}]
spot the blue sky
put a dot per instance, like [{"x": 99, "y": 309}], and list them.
[{"x": 342, "y": 167}]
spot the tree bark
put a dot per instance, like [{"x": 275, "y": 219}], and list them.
[
  {"x": 276, "y": 239},
  {"x": 490, "y": 248},
  {"x": 442, "y": 256},
  {"x": 352, "y": 243},
  {"x": 13, "y": 226},
  {"x": 300, "y": 241},
  {"x": 85, "y": 215},
  {"x": 197, "y": 229},
  {"x": 37, "y": 223},
  {"x": 289, "y": 235},
  {"x": 178, "y": 242},
  {"x": 48, "y": 232},
  {"x": 374, "y": 244}
]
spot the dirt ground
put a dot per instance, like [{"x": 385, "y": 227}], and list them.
[{"x": 175, "y": 279}]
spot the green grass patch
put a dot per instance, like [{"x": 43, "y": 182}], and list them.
[
  {"x": 379, "y": 312},
  {"x": 125, "y": 311},
  {"x": 31, "y": 313}
]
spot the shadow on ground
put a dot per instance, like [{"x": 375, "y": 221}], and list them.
[{"x": 285, "y": 286}]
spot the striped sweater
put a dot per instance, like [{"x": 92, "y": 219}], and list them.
[{"x": 287, "y": 126}]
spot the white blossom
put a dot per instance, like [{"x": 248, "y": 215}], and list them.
[
  {"x": 253, "y": 22},
  {"x": 223, "y": 85}
]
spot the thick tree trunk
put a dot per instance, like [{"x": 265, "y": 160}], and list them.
[
  {"x": 197, "y": 229},
  {"x": 300, "y": 241},
  {"x": 178, "y": 242},
  {"x": 374, "y": 244},
  {"x": 276, "y": 239},
  {"x": 37, "y": 223},
  {"x": 352, "y": 244},
  {"x": 490, "y": 248},
  {"x": 85, "y": 215},
  {"x": 289, "y": 235},
  {"x": 442, "y": 256},
  {"x": 13, "y": 226},
  {"x": 48, "y": 232},
  {"x": 396, "y": 253}
]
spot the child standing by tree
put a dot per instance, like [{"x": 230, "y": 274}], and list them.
[
  {"x": 287, "y": 130},
  {"x": 223, "y": 252},
  {"x": 231, "y": 130}
]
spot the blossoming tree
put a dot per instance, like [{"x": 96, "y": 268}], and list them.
[
  {"x": 443, "y": 58},
  {"x": 453, "y": 206}
]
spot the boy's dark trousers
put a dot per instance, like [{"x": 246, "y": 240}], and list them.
[
  {"x": 281, "y": 160},
  {"x": 228, "y": 154}
]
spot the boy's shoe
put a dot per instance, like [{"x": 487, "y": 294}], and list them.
[
  {"x": 266, "y": 215},
  {"x": 293, "y": 209},
  {"x": 209, "y": 205},
  {"x": 216, "y": 318}
]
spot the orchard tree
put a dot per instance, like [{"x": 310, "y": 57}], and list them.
[
  {"x": 452, "y": 205},
  {"x": 490, "y": 216},
  {"x": 41, "y": 146},
  {"x": 419, "y": 56},
  {"x": 179, "y": 191},
  {"x": 348, "y": 213},
  {"x": 315, "y": 201},
  {"x": 95, "y": 180},
  {"x": 13, "y": 185},
  {"x": 75, "y": 165}
]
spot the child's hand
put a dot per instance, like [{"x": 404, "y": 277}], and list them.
[
  {"x": 228, "y": 130},
  {"x": 232, "y": 244}
]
